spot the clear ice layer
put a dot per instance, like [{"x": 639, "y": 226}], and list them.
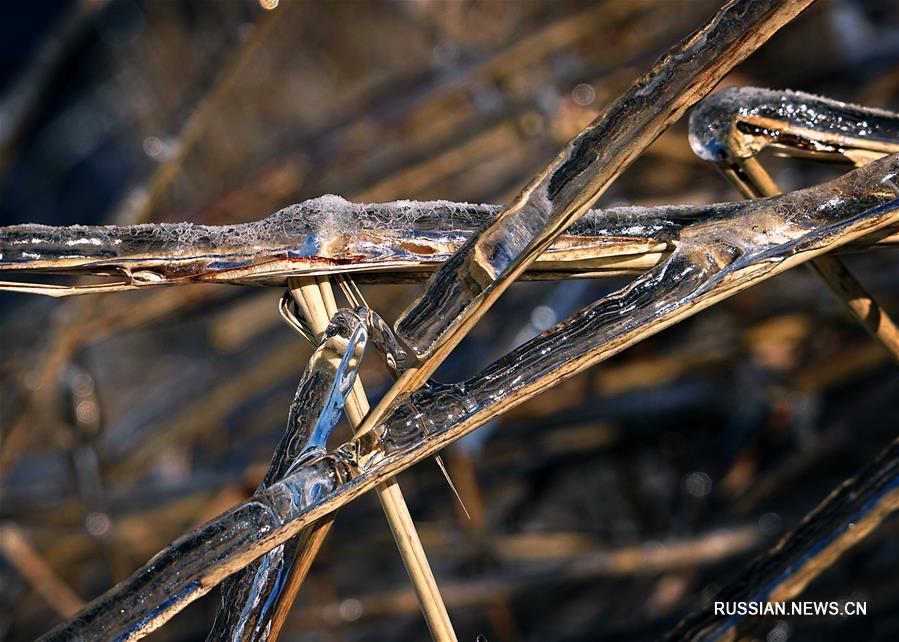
[
  {"x": 712, "y": 121},
  {"x": 749, "y": 242}
]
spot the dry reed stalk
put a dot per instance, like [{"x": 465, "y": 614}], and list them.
[
  {"x": 755, "y": 182},
  {"x": 316, "y": 299}
]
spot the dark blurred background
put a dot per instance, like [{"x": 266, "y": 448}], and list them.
[{"x": 606, "y": 508}]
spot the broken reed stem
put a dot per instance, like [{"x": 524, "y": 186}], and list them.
[
  {"x": 316, "y": 299},
  {"x": 756, "y": 182},
  {"x": 32, "y": 567}
]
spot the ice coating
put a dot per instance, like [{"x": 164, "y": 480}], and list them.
[
  {"x": 468, "y": 282},
  {"x": 198, "y": 557},
  {"x": 320, "y": 234},
  {"x": 763, "y": 117},
  {"x": 810, "y": 127},
  {"x": 755, "y": 236},
  {"x": 297, "y": 229},
  {"x": 752, "y": 241},
  {"x": 608, "y": 240},
  {"x": 250, "y": 597}
]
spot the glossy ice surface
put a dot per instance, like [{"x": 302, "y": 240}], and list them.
[
  {"x": 716, "y": 258},
  {"x": 307, "y": 231},
  {"x": 249, "y": 597},
  {"x": 320, "y": 235},
  {"x": 465, "y": 285},
  {"x": 763, "y": 117}
]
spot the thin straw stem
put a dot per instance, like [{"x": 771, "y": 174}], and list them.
[
  {"x": 754, "y": 182},
  {"x": 316, "y": 299}
]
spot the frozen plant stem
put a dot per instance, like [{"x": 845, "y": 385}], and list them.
[
  {"x": 250, "y": 598},
  {"x": 860, "y": 303},
  {"x": 386, "y": 245},
  {"x": 714, "y": 260},
  {"x": 840, "y": 522},
  {"x": 316, "y": 298},
  {"x": 463, "y": 288},
  {"x": 731, "y": 127}
]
